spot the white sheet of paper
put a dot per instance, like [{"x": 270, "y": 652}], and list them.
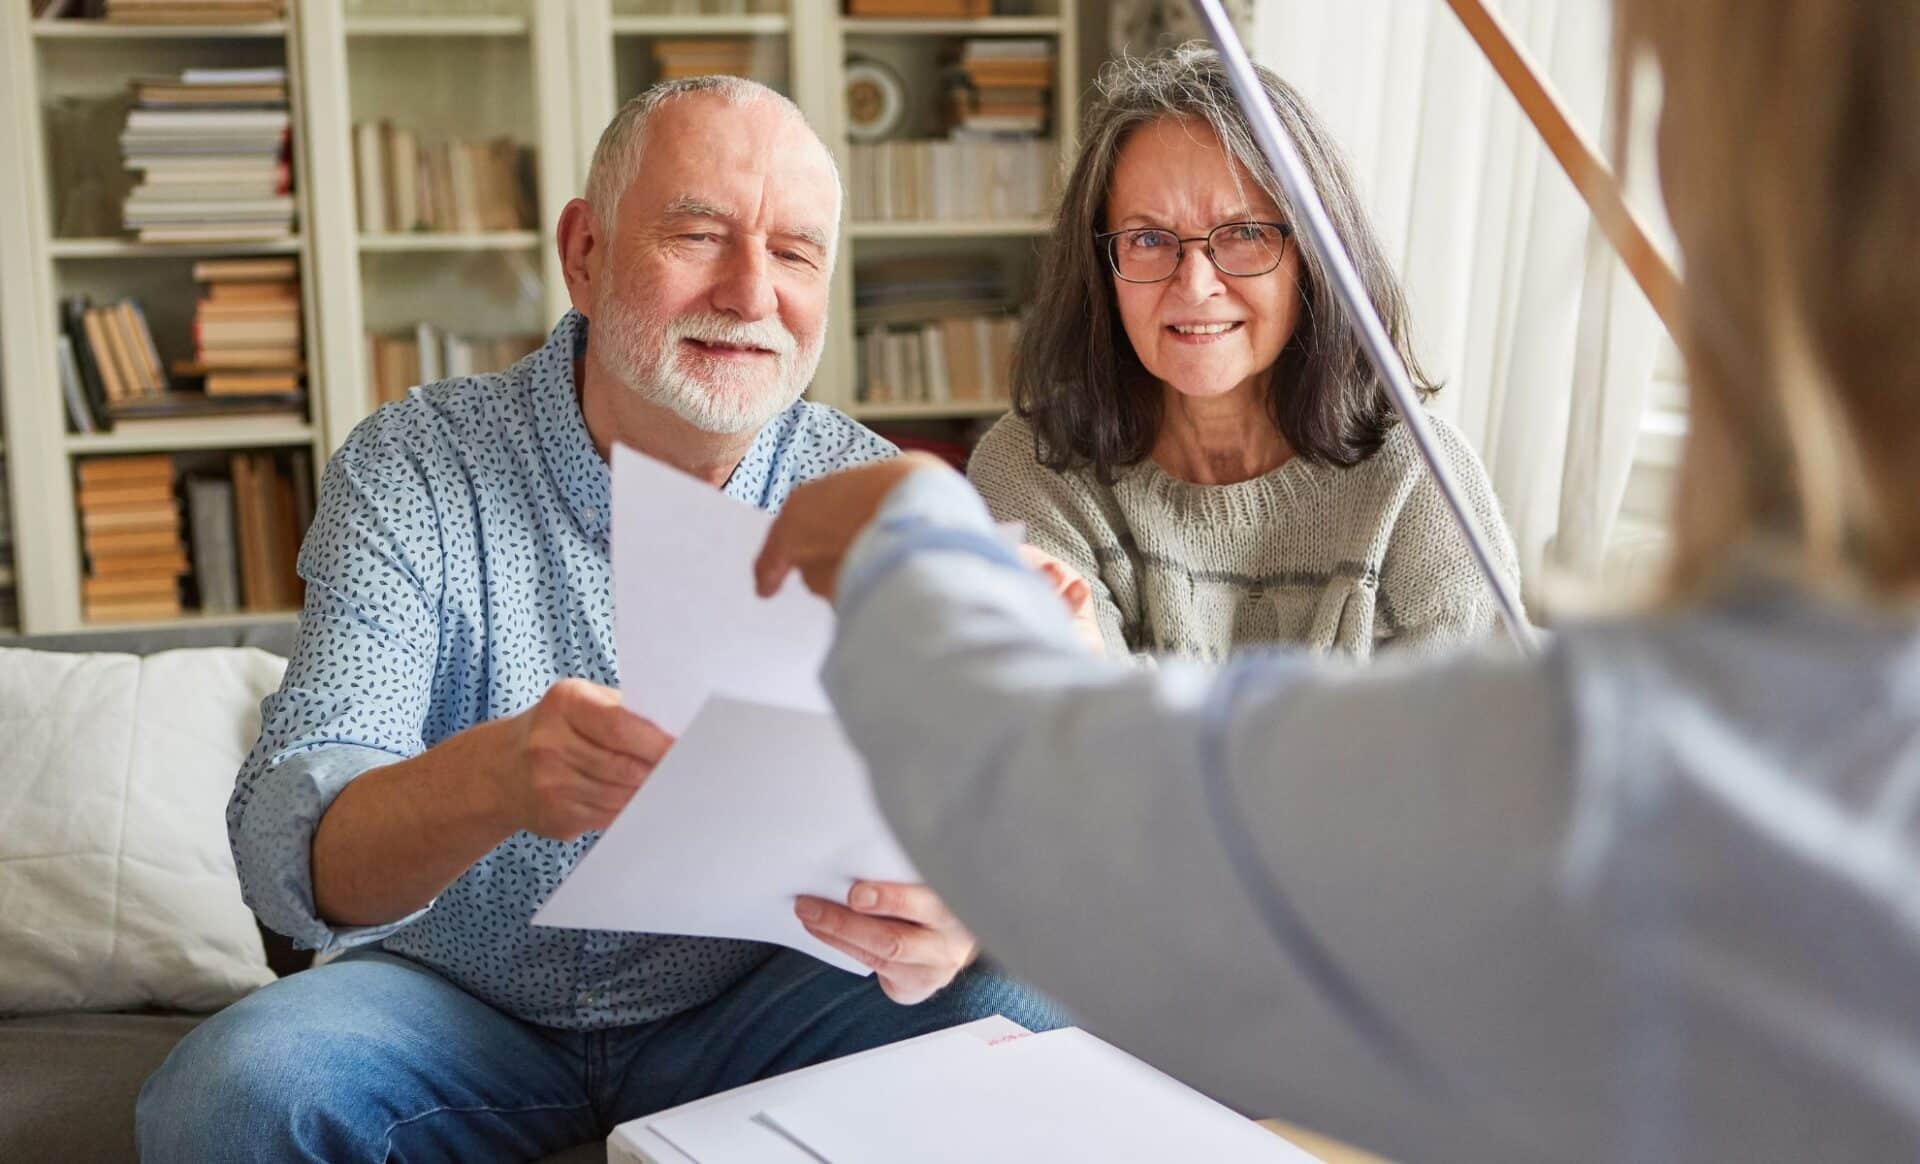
[
  {"x": 753, "y": 806},
  {"x": 1061, "y": 1095},
  {"x": 687, "y": 621},
  {"x": 723, "y": 1127},
  {"x": 731, "y": 1130}
]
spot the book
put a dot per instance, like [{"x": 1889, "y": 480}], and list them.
[
  {"x": 252, "y": 383},
  {"x": 102, "y": 354},
  {"x": 148, "y": 517},
  {"x": 79, "y": 413},
  {"x": 132, "y": 544},
  {"x": 73, "y": 325},
  {"x": 117, "y": 562},
  {"x": 124, "y": 495},
  {"x": 216, "y": 574},
  {"x": 111, "y": 471},
  {"x": 245, "y": 271}
]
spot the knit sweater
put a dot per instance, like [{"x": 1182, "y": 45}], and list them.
[{"x": 1343, "y": 560}]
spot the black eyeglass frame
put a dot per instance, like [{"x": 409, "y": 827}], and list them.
[{"x": 1113, "y": 261}]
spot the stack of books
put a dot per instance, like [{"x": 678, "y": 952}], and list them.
[
  {"x": 193, "y": 11},
  {"x": 130, "y": 528},
  {"x": 970, "y": 178},
  {"x": 406, "y": 184},
  {"x": 680, "y": 58},
  {"x": 210, "y": 149},
  {"x": 398, "y": 361},
  {"x": 1007, "y": 87},
  {"x": 272, "y": 507},
  {"x": 247, "y": 334}
]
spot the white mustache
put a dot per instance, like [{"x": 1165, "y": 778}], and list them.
[{"x": 721, "y": 329}]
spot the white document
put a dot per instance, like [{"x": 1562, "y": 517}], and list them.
[
  {"x": 753, "y": 806},
  {"x": 1062, "y": 1095},
  {"x": 687, "y": 621},
  {"x": 725, "y": 1127}
]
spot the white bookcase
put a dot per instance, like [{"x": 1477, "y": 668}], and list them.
[{"x": 548, "y": 73}]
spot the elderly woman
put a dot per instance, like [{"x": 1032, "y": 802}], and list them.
[{"x": 1196, "y": 432}]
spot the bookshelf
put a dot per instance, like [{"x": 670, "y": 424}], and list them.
[{"x": 544, "y": 74}]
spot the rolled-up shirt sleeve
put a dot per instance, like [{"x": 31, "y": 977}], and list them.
[{"x": 357, "y": 689}]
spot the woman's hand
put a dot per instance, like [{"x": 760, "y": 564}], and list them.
[
  {"x": 1073, "y": 590},
  {"x": 821, "y": 519},
  {"x": 905, "y": 932}
]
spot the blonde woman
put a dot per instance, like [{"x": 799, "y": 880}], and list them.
[{"x": 1651, "y": 896}]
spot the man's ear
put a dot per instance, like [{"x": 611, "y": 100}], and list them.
[{"x": 582, "y": 251}]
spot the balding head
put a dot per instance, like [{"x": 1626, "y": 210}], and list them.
[{"x": 616, "y": 159}]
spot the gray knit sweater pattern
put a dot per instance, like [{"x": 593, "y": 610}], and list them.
[{"x": 1339, "y": 560}]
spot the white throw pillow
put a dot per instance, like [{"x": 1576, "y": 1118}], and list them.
[{"x": 117, "y": 888}]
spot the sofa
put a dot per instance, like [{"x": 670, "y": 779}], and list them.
[{"x": 68, "y": 1079}]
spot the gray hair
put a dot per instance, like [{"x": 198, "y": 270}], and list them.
[
  {"x": 1076, "y": 377},
  {"x": 616, "y": 159}
]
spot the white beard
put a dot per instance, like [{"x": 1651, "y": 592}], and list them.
[{"x": 715, "y": 396}]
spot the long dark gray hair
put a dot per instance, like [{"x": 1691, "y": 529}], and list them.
[{"x": 1076, "y": 377}]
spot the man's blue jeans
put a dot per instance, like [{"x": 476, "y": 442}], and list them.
[{"x": 374, "y": 1057}]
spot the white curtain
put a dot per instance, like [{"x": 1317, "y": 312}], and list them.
[{"x": 1519, "y": 306}]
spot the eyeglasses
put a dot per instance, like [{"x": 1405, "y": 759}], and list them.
[{"x": 1242, "y": 249}]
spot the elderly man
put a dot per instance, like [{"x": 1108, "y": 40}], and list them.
[{"x": 448, "y": 735}]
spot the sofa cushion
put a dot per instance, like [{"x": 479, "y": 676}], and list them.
[
  {"x": 72, "y": 1080},
  {"x": 71, "y": 1083},
  {"x": 116, "y": 881}
]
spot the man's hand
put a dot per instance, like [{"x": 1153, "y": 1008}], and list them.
[
  {"x": 574, "y": 760},
  {"x": 821, "y": 519},
  {"x": 906, "y": 933}
]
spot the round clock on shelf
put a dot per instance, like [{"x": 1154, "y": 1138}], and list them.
[{"x": 876, "y": 100}]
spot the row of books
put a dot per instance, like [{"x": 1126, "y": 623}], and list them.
[
  {"x": 398, "y": 361},
  {"x": 962, "y": 360},
  {"x": 244, "y": 529},
  {"x": 210, "y": 151},
  {"x": 962, "y": 177},
  {"x": 407, "y": 184},
  {"x": 1006, "y": 86},
  {"x": 162, "y": 11}
]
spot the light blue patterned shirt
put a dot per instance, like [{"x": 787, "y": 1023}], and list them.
[{"x": 457, "y": 567}]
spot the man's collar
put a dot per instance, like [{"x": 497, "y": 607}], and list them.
[{"x": 565, "y": 443}]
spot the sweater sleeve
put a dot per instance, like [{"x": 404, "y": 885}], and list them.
[
  {"x": 1432, "y": 594},
  {"x": 1060, "y": 518},
  {"x": 1280, "y": 882}
]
